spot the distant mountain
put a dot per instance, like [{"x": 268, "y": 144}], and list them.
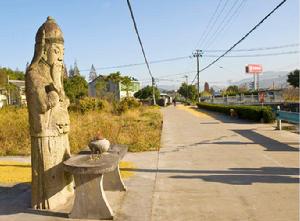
[
  {"x": 168, "y": 87},
  {"x": 267, "y": 79}
]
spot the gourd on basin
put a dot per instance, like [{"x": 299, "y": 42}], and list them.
[{"x": 92, "y": 176}]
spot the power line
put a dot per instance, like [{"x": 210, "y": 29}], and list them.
[
  {"x": 257, "y": 49},
  {"x": 143, "y": 51},
  {"x": 214, "y": 22},
  {"x": 188, "y": 57},
  {"x": 226, "y": 25},
  {"x": 209, "y": 23},
  {"x": 222, "y": 22},
  {"x": 139, "y": 38},
  {"x": 254, "y": 55},
  {"x": 243, "y": 38},
  {"x": 141, "y": 63}
]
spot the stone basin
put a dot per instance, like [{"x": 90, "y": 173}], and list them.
[{"x": 83, "y": 164}]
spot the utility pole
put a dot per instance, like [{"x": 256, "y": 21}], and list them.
[
  {"x": 153, "y": 91},
  {"x": 198, "y": 53},
  {"x": 187, "y": 87}
]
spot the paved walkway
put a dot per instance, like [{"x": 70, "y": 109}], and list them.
[
  {"x": 214, "y": 168},
  {"x": 210, "y": 167}
]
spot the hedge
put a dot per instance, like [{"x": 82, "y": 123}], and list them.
[{"x": 255, "y": 113}]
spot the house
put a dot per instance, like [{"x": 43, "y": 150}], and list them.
[
  {"x": 14, "y": 94},
  {"x": 101, "y": 87}
]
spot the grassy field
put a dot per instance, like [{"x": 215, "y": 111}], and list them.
[{"x": 139, "y": 128}]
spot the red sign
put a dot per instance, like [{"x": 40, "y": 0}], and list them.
[{"x": 254, "y": 68}]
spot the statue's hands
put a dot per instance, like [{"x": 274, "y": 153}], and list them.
[
  {"x": 65, "y": 102},
  {"x": 53, "y": 99}
]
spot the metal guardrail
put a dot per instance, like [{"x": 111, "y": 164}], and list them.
[{"x": 292, "y": 117}]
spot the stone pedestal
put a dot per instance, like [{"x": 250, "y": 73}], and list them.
[
  {"x": 90, "y": 200},
  {"x": 92, "y": 177}
]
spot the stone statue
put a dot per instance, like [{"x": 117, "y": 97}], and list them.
[{"x": 48, "y": 119}]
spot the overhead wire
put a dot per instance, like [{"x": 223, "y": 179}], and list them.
[
  {"x": 139, "y": 38},
  {"x": 214, "y": 22},
  {"x": 243, "y": 38},
  {"x": 229, "y": 21},
  {"x": 209, "y": 22},
  {"x": 257, "y": 49},
  {"x": 254, "y": 55},
  {"x": 205, "y": 54}
]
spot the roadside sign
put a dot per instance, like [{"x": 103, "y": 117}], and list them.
[{"x": 254, "y": 68}]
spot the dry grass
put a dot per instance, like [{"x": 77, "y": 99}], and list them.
[
  {"x": 17, "y": 172},
  {"x": 139, "y": 128}
]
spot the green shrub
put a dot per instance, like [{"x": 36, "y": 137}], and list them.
[
  {"x": 254, "y": 113},
  {"x": 126, "y": 104},
  {"x": 89, "y": 104}
]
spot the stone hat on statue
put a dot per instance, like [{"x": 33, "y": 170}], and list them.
[{"x": 49, "y": 32}]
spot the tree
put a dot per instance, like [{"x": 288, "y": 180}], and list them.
[
  {"x": 71, "y": 71},
  {"x": 127, "y": 82},
  {"x": 206, "y": 87},
  {"x": 93, "y": 73},
  {"x": 13, "y": 75},
  {"x": 65, "y": 71},
  {"x": 146, "y": 93},
  {"x": 232, "y": 90},
  {"x": 75, "y": 87},
  {"x": 188, "y": 91},
  {"x": 115, "y": 77},
  {"x": 76, "y": 70},
  {"x": 293, "y": 78}
]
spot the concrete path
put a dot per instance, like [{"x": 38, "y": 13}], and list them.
[
  {"x": 214, "y": 168},
  {"x": 210, "y": 167}
]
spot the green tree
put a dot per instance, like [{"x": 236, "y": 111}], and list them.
[
  {"x": 13, "y": 75},
  {"x": 293, "y": 78},
  {"x": 115, "y": 77},
  {"x": 146, "y": 93},
  {"x": 75, "y": 87},
  {"x": 127, "y": 82},
  {"x": 232, "y": 90},
  {"x": 188, "y": 91}
]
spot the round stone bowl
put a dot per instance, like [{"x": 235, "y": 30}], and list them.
[{"x": 99, "y": 146}]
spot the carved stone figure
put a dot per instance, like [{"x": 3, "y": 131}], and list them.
[{"x": 48, "y": 119}]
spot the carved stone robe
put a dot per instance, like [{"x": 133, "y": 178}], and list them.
[{"x": 49, "y": 127}]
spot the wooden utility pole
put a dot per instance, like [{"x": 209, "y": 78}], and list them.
[
  {"x": 153, "y": 91},
  {"x": 197, "y": 54},
  {"x": 187, "y": 87}
]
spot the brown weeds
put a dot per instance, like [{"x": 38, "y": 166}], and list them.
[{"x": 139, "y": 128}]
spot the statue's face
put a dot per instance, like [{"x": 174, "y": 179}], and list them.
[{"x": 55, "y": 54}]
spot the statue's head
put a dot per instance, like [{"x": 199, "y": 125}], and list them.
[{"x": 49, "y": 43}]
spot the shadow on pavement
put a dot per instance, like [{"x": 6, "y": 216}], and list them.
[
  {"x": 234, "y": 176},
  {"x": 17, "y": 199},
  {"x": 268, "y": 143},
  {"x": 243, "y": 179}
]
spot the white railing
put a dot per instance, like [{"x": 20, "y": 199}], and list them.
[{"x": 245, "y": 99}]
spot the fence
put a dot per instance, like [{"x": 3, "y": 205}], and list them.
[{"x": 245, "y": 99}]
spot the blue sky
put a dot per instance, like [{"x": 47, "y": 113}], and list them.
[{"x": 100, "y": 32}]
